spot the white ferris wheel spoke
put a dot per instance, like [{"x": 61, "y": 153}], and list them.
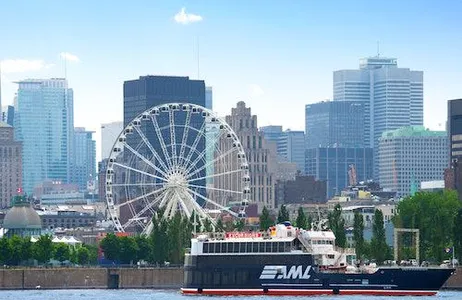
[
  {"x": 215, "y": 189},
  {"x": 216, "y": 159},
  {"x": 183, "y": 204},
  {"x": 198, "y": 209},
  {"x": 148, "y": 162},
  {"x": 194, "y": 145},
  {"x": 161, "y": 141},
  {"x": 213, "y": 202},
  {"x": 202, "y": 154},
  {"x": 153, "y": 151},
  {"x": 138, "y": 215},
  {"x": 139, "y": 171},
  {"x": 215, "y": 175},
  {"x": 137, "y": 184},
  {"x": 139, "y": 197},
  {"x": 184, "y": 139},
  {"x": 172, "y": 136}
]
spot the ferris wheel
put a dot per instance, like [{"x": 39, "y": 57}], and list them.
[{"x": 176, "y": 157}]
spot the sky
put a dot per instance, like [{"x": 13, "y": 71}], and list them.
[{"x": 276, "y": 56}]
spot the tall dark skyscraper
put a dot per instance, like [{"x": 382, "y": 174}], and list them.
[
  {"x": 149, "y": 91},
  {"x": 334, "y": 124},
  {"x": 454, "y": 129}
]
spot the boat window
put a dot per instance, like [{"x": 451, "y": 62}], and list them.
[
  {"x": 254, "y": 247},
  {"x": 205, "y": 248},
  {"x": 217, "y": 248},
  {"x": 331, "y": 256},
  {"x": 261, "y": 247},
  {"x": 236, "y": 247},
  {"x": 223, "y": 247},
  {"x": 242, "y": 247},
  {"x": 280, "y": 247},
  {"x": 268, "y": 246}
]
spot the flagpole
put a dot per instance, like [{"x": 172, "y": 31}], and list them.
[{"x": 453, "y": 256}]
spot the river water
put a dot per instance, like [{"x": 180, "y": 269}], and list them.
[{"x": 175, "y": 295}]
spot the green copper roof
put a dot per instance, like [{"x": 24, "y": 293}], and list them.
[{"x": 412, "y": 131}]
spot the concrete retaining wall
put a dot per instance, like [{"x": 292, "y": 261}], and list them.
[{"x": 88, "y": 278}]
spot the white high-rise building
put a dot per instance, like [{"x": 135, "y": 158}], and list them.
[
  {"x": 393, "y": 96},
  {"x": 109, "y": 133},
  {"x": 410, "y": 155}
]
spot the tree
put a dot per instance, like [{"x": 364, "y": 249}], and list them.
[
  {"x": 83, "y": 255},
  {"x": 111, "y": 247},
  {"x": 379, "y": 247},
  {"x": 43, "y": 249},
  {"x": 27, "y": 248},
  {"x": 144, "y": 248},
  {"x": 239, "y": 225},
  {"x": 458, "y": 235},
  {"x": 93, "y": 253},
  {"x": 283, "y": 214},
  {"x": 207, "y": 225},
  {"x": 434, "y": 214},
  {"x": 128, "y": 250},
  {"x": 301, "y": 221},
  {"x": 175, "y": 241},
  {"x": 62, "y": 252},
  {"x": 337, "y": 225},
  {"x": 16, "y": 250},
  {"x": 358, "y": 235},
  {"x": 219, "y": 227},
  {"x": 5, "y": 251},
  {"x": 309, "y": 221},
  {"x": 265, "y": 220}
]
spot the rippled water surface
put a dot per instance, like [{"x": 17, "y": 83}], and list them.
[{"x": 175, "y": 295}]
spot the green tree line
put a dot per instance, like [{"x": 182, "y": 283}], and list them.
[{"x": 16, "y": 251}]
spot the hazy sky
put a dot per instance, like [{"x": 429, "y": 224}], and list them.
[{"x": 276, "y": 56}]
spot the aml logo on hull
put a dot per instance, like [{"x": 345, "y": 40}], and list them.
[{"x": 281, "y": 272}]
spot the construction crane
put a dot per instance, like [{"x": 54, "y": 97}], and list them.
[{"x": 352, "y": 175}]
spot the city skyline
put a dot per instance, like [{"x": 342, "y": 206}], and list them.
[{"x": 251, "y": 73}]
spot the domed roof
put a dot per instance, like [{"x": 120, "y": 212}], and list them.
[{"x": 22, "y": 217}]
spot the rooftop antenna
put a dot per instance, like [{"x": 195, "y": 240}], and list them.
[
  {"x": 1, "y": 116},
  {"x": 198, "y": 70},
  {"x": 378, "y": 49},
  {"x": 65, "y": 67}
]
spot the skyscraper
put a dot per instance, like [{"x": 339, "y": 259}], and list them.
[
  {"x": 109, "y": 134},
  {"x": 335, "y": 124},
  {"x": 392, "y": 96},
  {"x": 260, "y": 154},
  {"x": 44, "y": 123},
  {"x": 209, "y": 97},
  {"x": 454, "y": 129},
  {"x": 84, "y": 172},
  {"x": 7, "y": 115},
  {"x": 148, "y": 91},
  {"x": 10, "y": 165},
  {"x": 333, "y": 164},
  {"x": 290, "y": 144},
  {"x": 410, "y": 155}
]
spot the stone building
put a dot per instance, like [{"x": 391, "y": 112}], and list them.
[
  {"x": 261, "y": 155},
  {"x": 10, "y": 165}
]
